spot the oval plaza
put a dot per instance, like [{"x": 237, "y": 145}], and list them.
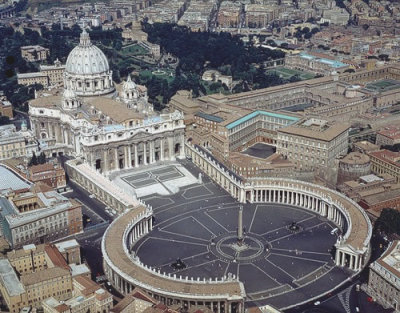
[{"x": 228, "y": 293}]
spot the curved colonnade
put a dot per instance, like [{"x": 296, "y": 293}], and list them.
[
  {"x": 226, "y": 295},
  {"x": 125, "y": 271}
]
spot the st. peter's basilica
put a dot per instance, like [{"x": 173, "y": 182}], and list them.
[{"x": 109, "y": 126}]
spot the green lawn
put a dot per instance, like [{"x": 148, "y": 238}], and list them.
[
  {"x": 133, "y": 50},
  {"x": 166, "y": 75},
  {"x": 286, "y": 73}
]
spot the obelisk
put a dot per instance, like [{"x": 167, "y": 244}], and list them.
[{"x": 240, "y": 226}]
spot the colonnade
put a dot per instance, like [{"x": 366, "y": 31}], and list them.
[
  {"x": 300, "y": 199},
  {"x": 300, "y": 194},
  {"x": 139, "y": 229},
  {"x": 351, "y": 260},
  {"x": 140, "y": 225}
]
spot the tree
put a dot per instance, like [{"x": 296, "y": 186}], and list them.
[
  {"x": 33, "y": 160},
  {"x": 42, "y": 158},
  {"x": 4, "y": 120},
  {"x": 389, "y": 221}
]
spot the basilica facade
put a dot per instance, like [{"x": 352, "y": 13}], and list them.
[{"x": 108, "y": 126}]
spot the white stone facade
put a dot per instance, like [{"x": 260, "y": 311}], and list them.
[{"x": 109, "y": 131}]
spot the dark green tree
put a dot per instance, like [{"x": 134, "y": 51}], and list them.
[
  {"x": 42, "y": 158},
  {"x": 33, "y": 160}
]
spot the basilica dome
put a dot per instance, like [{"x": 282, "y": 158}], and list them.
[
  {"x": 86, "y": 58},
  {"x": 87, "y": 72}
]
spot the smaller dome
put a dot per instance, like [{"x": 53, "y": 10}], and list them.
[{"x": 129, "y": 84}]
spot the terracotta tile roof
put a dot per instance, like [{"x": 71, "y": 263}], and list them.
[
  {"x": 41, "y": 168},
  {"x": 56, "y": 257}
]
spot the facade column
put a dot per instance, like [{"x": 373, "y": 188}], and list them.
[
  {"x": 182, "y": 152},
  {"x": 126, "y": 157},
  {"x": 129, "y": 156},
  {"x": 170, "y": 148},
  {"x": 144, "y": 154},
  {"x": 116, "y": 159},
  {"x": 136, "y": 156},
  {"x": 105, "y": 160},
  {"x": 152, "y": 152},
  {"x": 162, "y": 149}
]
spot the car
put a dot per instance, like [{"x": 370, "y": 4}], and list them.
[
  {"x": 92, "y": 196},
  {"x": 317, "y": 302},
  {"x": 357, "y": 309}
]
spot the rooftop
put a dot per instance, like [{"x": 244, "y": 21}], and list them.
[
  {"x": 292, "y": 119},
  {"x": 9, "y": 180},
  {"x": 391, "y": 259},
  {"x": 68, "y": 244},
  {"x": 326, "y": 132},
  {"x": 9, "y": 279},
  {"x": 210, "y": 117},
  {"x": 331, "y": 63},
  {"x": 43, "y": 275}
]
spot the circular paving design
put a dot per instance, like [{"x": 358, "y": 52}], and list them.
[
  {"x": 277, "y": 265},
  {"x": 252, "y": 248}
]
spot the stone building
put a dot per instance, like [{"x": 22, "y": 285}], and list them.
[
  {"x": 51, "y": 174},
  {"x": 136, "y": 301},
  {"x": 55, "y": 73},
  {"x": 352, "y": 166},
  {"x": 38, "y": 215},
  {"x": 313, "y": 143},
  {"x": 87, "y": 297},
  {"x": 28, "y": 79},
  {"x": 388, "y": 136},
  {"x": 49, "y": 75},
  {"x": 34, "y": 53},
  {"x": 386, "y": 162},
  {"x": 49, "y": 277},
  {"x": 109, "y": 130},
  {"x": 314, "y": 63},
  {"x": 15, "y": 144},
  {"x": 384, "y": 277},
  {"x": 5, "y": 107}
]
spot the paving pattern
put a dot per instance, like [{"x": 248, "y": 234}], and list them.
[
  {"x": 277, "y": 265},
  {"x": 152, "y": 177}
]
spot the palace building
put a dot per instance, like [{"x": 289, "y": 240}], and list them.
[{"x": 109, "y": 127}]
